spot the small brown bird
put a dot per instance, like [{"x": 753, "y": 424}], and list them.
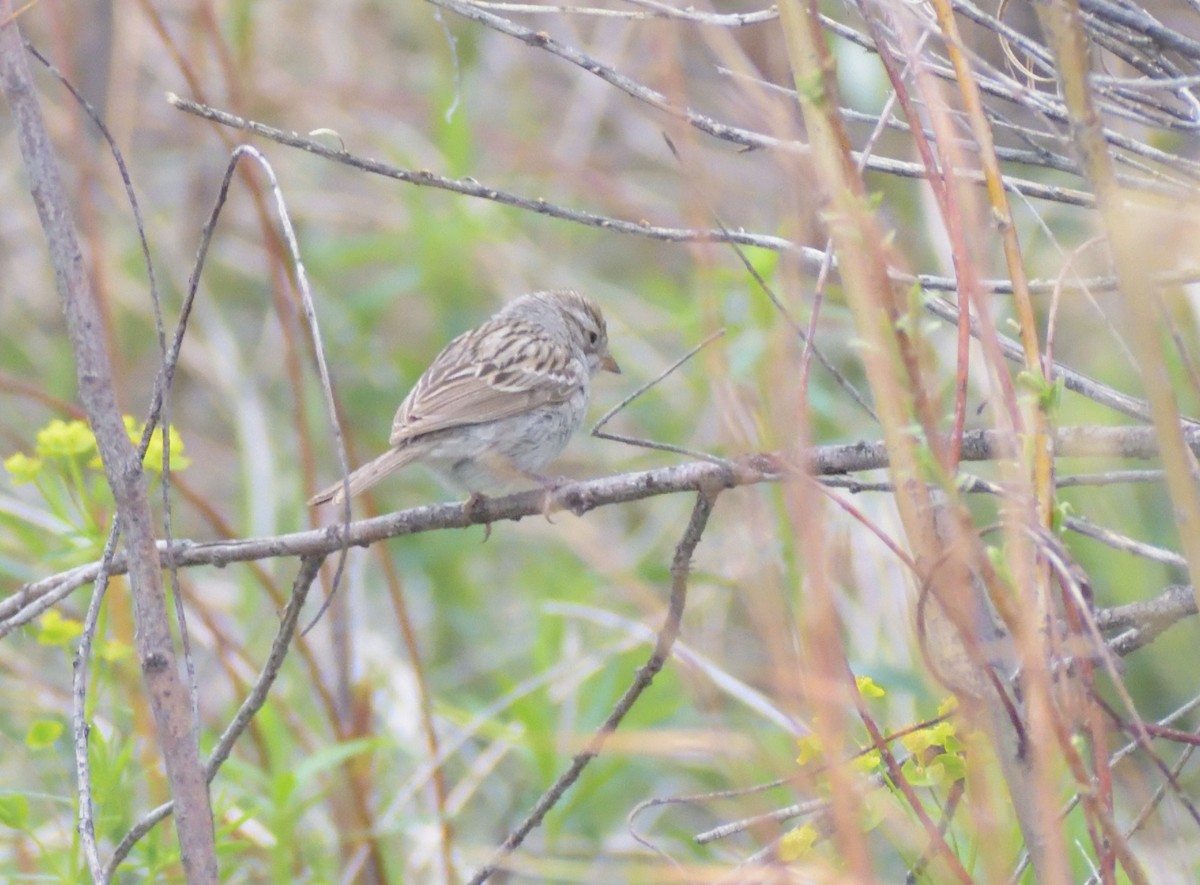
[{"x": 501, "y": 401}]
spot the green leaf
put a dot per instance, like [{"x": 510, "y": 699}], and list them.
[
  {"x": 918, "y": 775},
  {"x": 953, "y": 767},
  {"x": 332, "y": 757},
  {"x": 1047, "y": 392},
  {"x": 43, "y": 733},
  {"x": 14, "y": 811}
]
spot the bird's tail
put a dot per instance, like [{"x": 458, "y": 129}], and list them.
[{"x": 366, "y": 476}]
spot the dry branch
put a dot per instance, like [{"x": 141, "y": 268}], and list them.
[
  {"x": 310, "y": 567},
  {"x": 471, "y": 188},
  {"x": 33, "y": 598},
  {"x": 681, "y": 566},
  {"x": 167, "y": 694}
]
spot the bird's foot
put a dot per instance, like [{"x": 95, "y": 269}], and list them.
[
  {"x": 551, "y": 485},
  {"x": 470, "y": 506}
]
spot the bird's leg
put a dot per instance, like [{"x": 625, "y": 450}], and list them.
[
  {"x": 550, "y": 487},
  {"x": 550, "y": 484},
  {"x": 470, "y": 506}
]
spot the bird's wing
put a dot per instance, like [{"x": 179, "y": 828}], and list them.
[{"x": 496, "y": 371}]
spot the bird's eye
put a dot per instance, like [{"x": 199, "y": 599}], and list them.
[{"x": 593, "y": 337}]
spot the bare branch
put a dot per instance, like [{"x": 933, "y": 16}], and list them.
[
  {"x": 579, "y": 497},
  {"x": 470, "y": 187},
  {"x": 168, "y": 696},
  {"x": 680, "y": 569},
  {"x": 310, "y": 567}
]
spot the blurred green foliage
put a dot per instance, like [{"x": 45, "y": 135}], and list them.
[{"x": 523, "y": 643}]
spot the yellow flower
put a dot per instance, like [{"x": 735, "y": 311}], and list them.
[
  {"x": 113, "y": 650},
  {"x": 868, "y": 688},
  {"x": 22, "y": 468},
  {"x": 798, "y": 843},
  {"x": 57, "y": 630},
  {"x": 868, "y": 762},
  {"x": 154, "y": 451},
  {"x": 65, "y": 439},
  {"x": 944, "y": 734},
  {"x": 919, "y": 741},
  {"x": 810, "y": 748}
]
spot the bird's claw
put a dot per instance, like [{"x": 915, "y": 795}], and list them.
[
  {"x": 470, "y": 506},
  {"x": 551, "y": 486}
]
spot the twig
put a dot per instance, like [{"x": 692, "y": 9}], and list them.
[
  {"x": 1174, "y": 602},
  {"x": 310, "y": 567},
  {"x": 1061, "y": 22},
  {"x": 32, "y": 599},
  {"x": 79, "y": 721},
  {"x": 472, "y": 188},
  {"x": 168, "y": 697},
  {"x": 483, "y": 718},
  {"x": 649, "y": 11},
  {"x": 1144, "y": 621},
  {"x": 80, "y": 728},
  {"x": 680, "y": 569},
  {"x": 724, "y": 682},
  {"x": 1074, "y": 381},
  {"x": 1118, "y": 541},
  {"x": 811, "y": 807},
  {"x": 715, "y": 128},
  {"x": 1116, "y": 757},
  {"x": 651, "y": 444}
]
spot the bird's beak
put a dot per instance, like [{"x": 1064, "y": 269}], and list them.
[{"x": 608, "y": 364}]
